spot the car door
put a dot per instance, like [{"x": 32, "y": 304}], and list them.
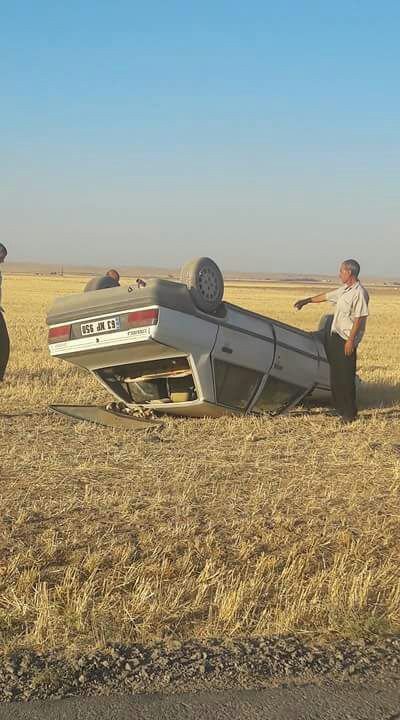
[
  {"x": 293, "y": 373},
  {"x": 240, "y": 361}
]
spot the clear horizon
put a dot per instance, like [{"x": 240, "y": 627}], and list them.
[
  {"x": 225, "y": 270},
  {"x": 266, "y": 137}
]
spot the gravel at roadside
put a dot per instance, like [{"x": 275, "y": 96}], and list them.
[{"x": 183, "y": 666}]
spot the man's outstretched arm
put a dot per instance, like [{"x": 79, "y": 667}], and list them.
[{"x": 315, "y": 299}]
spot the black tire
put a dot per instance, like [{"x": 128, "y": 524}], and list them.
[
  {"x": 325, "y": 322},
  {"x": 205, "y": 282},
  {"x": 324, "y": 327}
]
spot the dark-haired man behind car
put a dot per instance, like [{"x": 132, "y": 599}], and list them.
[
  {"x": 4, "y": 339},
  {"x": 348, "y": 326}
]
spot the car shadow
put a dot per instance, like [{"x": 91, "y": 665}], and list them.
[
  {"x": 381, "y": 397},
  {"x": 48, "y": 376}
]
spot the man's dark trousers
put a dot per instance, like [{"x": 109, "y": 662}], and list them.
[
  {"x": 4, "y": 346},
  {"x": 343, "y": 376}
]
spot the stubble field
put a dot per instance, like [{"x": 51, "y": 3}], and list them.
[{"x": 209, "y": 528}]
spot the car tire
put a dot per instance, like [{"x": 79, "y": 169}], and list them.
[
  {"x": 205, "y": 282},
  {"x": 324, "y": 326}
]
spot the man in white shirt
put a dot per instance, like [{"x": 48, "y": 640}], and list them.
[
  {"x": 348, "y": 326},
  {"x": 4, "y": 339}
]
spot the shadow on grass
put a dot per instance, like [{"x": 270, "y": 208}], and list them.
[
  {"x": 381, "y": 397},
  {"x": 378, "y": 395},
  {"x": 48, "y": 376}
]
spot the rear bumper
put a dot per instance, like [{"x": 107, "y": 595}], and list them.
[{"x": 98, "y": 351}]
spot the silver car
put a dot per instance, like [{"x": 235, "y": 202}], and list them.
[{"x": 177, "y": 348}]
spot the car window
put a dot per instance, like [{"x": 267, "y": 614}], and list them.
[
  {"x": 277, "y": 394},
  {"x": 235, "y": 385}
]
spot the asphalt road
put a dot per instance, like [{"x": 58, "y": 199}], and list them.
[{"x": 377, "y": 701}]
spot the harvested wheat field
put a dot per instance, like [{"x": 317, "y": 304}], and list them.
[{"x": 209, "y": 528}]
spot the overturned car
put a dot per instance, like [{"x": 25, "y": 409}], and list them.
[{"x": 177, "y": 348}]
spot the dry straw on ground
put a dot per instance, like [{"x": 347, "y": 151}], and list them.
[{"x": 228, "y": 527}]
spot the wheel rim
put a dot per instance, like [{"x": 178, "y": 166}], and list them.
[{"x": 208, "y": 284}]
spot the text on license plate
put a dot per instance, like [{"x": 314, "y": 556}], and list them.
[{"x": 99, "y": 326}]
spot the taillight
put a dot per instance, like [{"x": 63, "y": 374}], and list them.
[
  {"x": 141, "y": 318},
  {"x": 59, "y": 334}
]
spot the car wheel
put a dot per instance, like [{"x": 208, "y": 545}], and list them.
[
  {"x": 205, "y": 282},
  {"x": 325, "y": 325},
  {"x": 325, "y": 322}
]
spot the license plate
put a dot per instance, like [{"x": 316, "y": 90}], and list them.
[{"x": 100, "y": 326}]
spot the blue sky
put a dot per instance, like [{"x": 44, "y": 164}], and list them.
[{"x": 265, "y": 135}]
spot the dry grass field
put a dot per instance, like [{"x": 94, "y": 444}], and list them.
[{"x": 209, "y": 528}]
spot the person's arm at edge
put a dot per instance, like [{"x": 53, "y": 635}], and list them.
[{"x": 315, "y": 299}]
